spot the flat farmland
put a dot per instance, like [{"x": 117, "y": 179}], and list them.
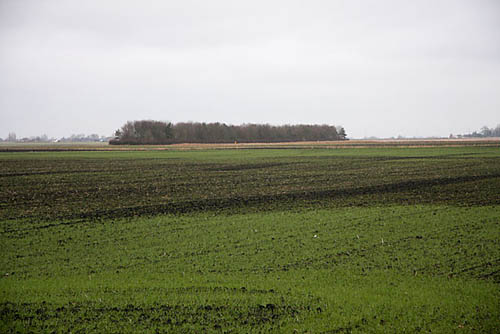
[{"x": 285, "y": 239}]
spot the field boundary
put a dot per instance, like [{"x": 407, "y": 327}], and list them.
[{"x": 358, "y": 143}]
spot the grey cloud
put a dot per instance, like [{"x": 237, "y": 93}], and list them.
[{"x": 382, "y": 68}]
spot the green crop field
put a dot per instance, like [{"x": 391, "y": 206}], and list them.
[{"x": 251, "y": 240}]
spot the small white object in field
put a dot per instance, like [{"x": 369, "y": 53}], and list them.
[{"x": 315, "y": 236}]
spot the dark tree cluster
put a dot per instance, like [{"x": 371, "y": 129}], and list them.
[
  {"x": 144, "y": 132},
  {"x": 155, "y": 132},
  {"x": 484, "y": 133}
]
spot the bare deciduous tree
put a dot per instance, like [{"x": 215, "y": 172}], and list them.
[{"x": 155, "y": 132}]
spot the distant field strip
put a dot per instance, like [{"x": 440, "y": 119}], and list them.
[{"x": 392, "y": 143}]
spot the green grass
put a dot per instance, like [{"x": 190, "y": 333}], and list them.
[{"x": 306, "y": 241}]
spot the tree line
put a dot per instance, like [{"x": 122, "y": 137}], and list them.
[
  {"x": 156, "y": 132},
  {"x": 12, "y": 138},
  {"x": 485, "y": 132}
]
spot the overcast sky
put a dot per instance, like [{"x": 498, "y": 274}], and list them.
[{"x": 379, "y": 68}]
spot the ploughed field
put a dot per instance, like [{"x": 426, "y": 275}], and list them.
[{"x": 292, "y": 240}]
